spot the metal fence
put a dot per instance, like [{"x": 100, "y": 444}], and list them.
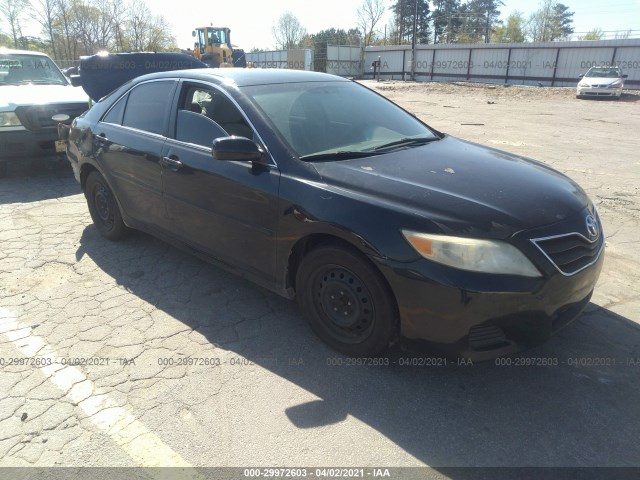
[
  {"x": 549, "y": 64},
  {"x": 344, "y": 60},
  {"x": 295, "y": 59}
]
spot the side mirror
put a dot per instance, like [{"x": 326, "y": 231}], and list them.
[
  {"x": 76, "y": 80},
  {"x": 625, "y": 76},
  {"x": 193, "y": 33},
  {"x": 235, "y": 148},
  {"x": 581, "y": 75}
]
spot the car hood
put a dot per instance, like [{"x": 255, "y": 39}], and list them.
[
  {"x": 12, "y": 96},
  {"x": 462, "y": 187},
  {"x": 600, "y": 80}
]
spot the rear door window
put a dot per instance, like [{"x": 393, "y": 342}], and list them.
[{"x": 148, "y": 106}]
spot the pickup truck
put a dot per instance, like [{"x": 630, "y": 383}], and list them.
[{"x": 34, "y": 97}]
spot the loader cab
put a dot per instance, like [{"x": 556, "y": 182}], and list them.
[
  {"x": 213, "y": 46},
  {"x": 211, "y": 37}
]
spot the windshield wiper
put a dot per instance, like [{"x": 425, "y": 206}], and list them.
[
  {"x": 406, "y": 142},
  {"x": 38, "y": 81},
  {"x": 340, "y": 155}
]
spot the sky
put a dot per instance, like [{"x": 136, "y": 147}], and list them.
[{"x": 251, "y": 22}]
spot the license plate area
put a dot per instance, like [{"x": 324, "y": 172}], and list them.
[{"x": 61, "y": 146}]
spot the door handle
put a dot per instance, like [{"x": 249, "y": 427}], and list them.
[
  {"x": 102, "y": 140},
  {"x": 171, "y": 162}
]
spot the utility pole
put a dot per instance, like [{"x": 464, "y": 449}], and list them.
[
  {"x": 413, "y": 43},
  {"x": 487, "y": 33},
  {"x": 401, "y": 21}
]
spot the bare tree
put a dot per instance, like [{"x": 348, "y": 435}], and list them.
[
  {"x": 69, "y": 41},
  {"x": 86, "y": 20},
  {"x": 118, "y": 13},
  {"x": 138, "y": 26},
  {"x": 14, "y": 13},
  {"x": 145, "y": 31},
  {"x": 45, "y": 13},
  {"x": 370, "y": 13},
  {"x": 288, "y": 31}
]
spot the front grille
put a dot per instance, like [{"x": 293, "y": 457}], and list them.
[
  {"x": 38, "y": 117},
  {"x": 572, "y": 252}
]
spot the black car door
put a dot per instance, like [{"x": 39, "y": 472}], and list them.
[
  {"x": 129, "y": 141},
  {"x": 226, "y": 208}
]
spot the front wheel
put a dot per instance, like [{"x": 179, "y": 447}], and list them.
[
  {"x": 347, "y": 301},
  {"x": 103, "y": 208}
]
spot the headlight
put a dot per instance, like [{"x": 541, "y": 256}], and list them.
[
  {"x": 487, "y": 256},
  {"x": 615, "y": 84},
  {"x": 9, "y": 119},
  {"x": 583, "y": 84}
]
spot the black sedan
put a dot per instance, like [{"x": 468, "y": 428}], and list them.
[{"x": 319, "y": 189}]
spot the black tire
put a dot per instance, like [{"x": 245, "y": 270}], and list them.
[
  {"x": 239, "y": 58},
  {"x": 347, "y": 301},
  {"x": 103, "y": 208},
  {"x": 211, "y": 60},
  {"x": 3, "y": 169}
]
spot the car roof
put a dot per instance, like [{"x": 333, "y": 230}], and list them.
[
  {"x": 9, "y": 51},
  {"x": 250, "y": 76}
]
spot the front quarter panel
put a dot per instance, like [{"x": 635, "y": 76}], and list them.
[{"x": 310, "y": 207}]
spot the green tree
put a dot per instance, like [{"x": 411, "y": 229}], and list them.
[
  {"x": 477, "y": 19},
  {"x": 447, "y": 20},
  {"x": 512, "y": 30},
  {"x": 593, "y": 34},
  {"x": 552, "y": 21},
  {"x": 404, "y": 12},
  {"x": 562, "y": 22}
]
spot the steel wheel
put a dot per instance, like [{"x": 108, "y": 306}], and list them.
[
  {"x": 103, "y": 207},
  {"x": 347, "y": 301}
]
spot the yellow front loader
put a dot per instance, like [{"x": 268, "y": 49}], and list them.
[{"x": 213, "y": 47}]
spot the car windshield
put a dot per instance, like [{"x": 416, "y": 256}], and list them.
[
  {"x": 319, "y": 119},
  {"x": 16, "y": 69},
  {"x": 603, "y": 72}
]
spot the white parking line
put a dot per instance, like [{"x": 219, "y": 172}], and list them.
[{"x": 131, "y": 435}]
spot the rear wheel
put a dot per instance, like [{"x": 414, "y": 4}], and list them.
[
  {"x": 347, "y": 301},
  {"x": 103, "y": 208}
]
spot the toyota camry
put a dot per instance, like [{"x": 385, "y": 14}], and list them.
[{"x": 319, "y": 189}]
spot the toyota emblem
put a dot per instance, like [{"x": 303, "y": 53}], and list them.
[{"x": 592, "y": 226}]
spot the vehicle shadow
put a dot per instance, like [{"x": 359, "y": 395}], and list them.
[
  {"x": 36, "y": 181},
  {"x": 577, "y": 405},
  {"x": 626, "y": 97}
]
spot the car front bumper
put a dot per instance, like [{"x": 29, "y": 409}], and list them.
[
  {"x": 482, "y": 316},
  {"x": 598, "y": 92},
  {"x": 23, "y": 144}
]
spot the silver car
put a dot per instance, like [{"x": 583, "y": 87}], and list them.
[{"x": 601, "y": 82}]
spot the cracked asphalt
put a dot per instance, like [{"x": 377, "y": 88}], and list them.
[{"x": 159, "y": 359}]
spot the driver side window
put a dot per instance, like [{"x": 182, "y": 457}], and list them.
[{"x": 205, "y": 114}]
